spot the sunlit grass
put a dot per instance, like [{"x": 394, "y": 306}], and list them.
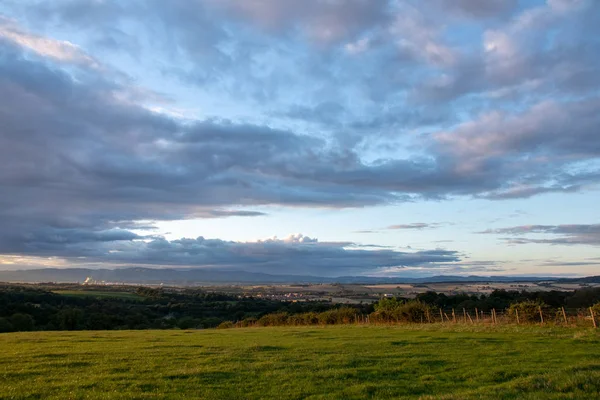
[{"x": 338, "y": 362}]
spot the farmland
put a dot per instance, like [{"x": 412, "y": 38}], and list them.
[{"x": 410, "y": 361}]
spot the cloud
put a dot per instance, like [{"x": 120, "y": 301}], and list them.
[
  {"x": 479, "y": 9},
  {"x": 61, "y": 51},
  {"x": 328, "y": 104},
  {"x": 324, "y": 22},
  {"x": 416, "y": 225},
  {"x": 576, "y": 234},
  {"x": 296, "y": 254},
  {"x": 96, "y": 159}
]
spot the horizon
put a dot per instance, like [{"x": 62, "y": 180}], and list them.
[
  {"x": 334, "y": 139},
  {"x": 290, "y": 276}
]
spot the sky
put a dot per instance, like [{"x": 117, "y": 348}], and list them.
[{"x": 321, "y": 137}]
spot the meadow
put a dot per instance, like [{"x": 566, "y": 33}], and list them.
[{"x": 335, "y": 362}]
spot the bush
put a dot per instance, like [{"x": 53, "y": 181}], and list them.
[
  {"x": 187, "y": 323},
  {"x": 529, "y": 312},
  {"x": 247, "y": 322},
  {"x": 275, "y": 319},
  {"x": 225, "y": 325},
  {"x": 343, "y": 315},
  {"x": 392, "y": 310},
  {"x": 310, "y": 318}
]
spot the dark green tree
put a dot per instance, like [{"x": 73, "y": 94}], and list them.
[
  {"x": 22, "y": 322},
  {"x": 5, "y": 325},
  {"x": 70, "y": 319}
]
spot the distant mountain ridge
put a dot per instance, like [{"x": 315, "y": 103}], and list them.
[{"x": 187, "y": 277}]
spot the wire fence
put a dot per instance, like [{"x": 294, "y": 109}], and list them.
[
  {"x": 536, "y": 315},
  {"x": 558, "y": 317}
]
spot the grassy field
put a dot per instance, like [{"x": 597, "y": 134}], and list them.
[
  {"x": 343, "y": 362},
  {"x": 100, "y": 294}
]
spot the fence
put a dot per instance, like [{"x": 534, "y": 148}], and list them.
[
  {"x": 543, "y": 316},
  {"x": 537, "y": 315}
]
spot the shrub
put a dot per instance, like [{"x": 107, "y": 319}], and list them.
[
  {"x": 529, "y": 311},
  {"x": 247, "y": 322},
  {"x": 225, "y": 325},
  {"x": 275, "y": 319},
  {"x": 413, "y": 311},
  {"x": 391, "y": 310},
  {"x": 188, "y": 323},
  {"x": 310, "y": 318},
  {"x": 343, "y": 315},
  {"x": 296, "y": 320}
]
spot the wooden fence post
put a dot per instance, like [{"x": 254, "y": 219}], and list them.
[
  {"x": 476, "y": 314},
  {"x": 494, "y": 316},
  {"x": 453, "y": 316},
  {"x": 593, "y": 318},
  {"x": 470, "y": 319},
  {"x": 441, "y": 315},
  {"x": 565, "y": 316},
  {"x": 428, "y": 317},
  {"x": 517, "y": 313},
  {"x": 464, "y": 315},
  {"x": 541, "y": 314}
]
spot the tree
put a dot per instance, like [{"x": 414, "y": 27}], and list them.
[
  {"x": 5, "y": 325},
  {"x": 70, "y": 319},
  {"x": 187, "y": 323},
  {"x": 22, "y": 322},
  {"x": 99, "y": 321}
]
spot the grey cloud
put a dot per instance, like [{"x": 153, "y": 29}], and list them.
[
  {"x": 324, "y": 22},
  {"x": 569, "y": 263},
  {"x": 294, "y": 255},
  {"x": 79, "y": 152},
  {"x": 416, "y": 225},
  {"x": 576, "y": 234},
  {"x": 251, "y": 50},
  {"x": 511, "y": 58},
  {"x": 99, "y": 150},
  {"x": 477, "y": 8},
  {"x": 461, "y": 267},
  {"x": 235, "y": 213}
]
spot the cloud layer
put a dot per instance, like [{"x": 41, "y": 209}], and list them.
[
  {"x": 330, "y": 104},
  {"x": 295, "y": 255},
  {"x": 581, "y": 234}
]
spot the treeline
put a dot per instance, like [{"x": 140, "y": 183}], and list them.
[
  {"x": 514, "y": 306},
  {"x": 502, "y": 299},
  {"x": 30, "y": 308}
]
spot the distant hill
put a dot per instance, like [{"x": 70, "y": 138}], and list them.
[
  {"x": 587, "y": 279},
  {"x": 186, "y": 277}
]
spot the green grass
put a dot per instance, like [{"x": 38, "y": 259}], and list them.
[
  {"x": 304, "y": 363},
  {"x": 99, "y": 294}
]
